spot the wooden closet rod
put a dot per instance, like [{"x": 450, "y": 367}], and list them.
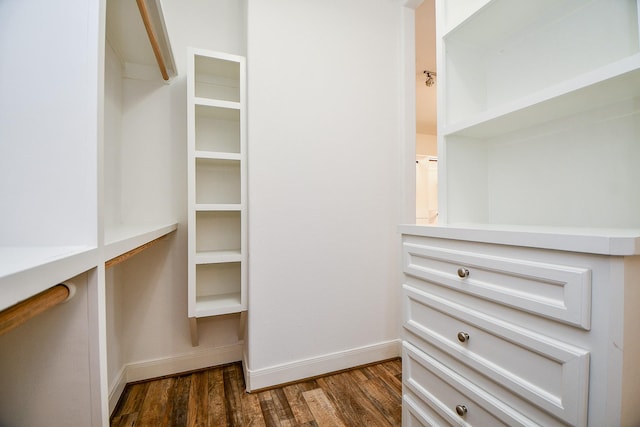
[
  {"x": 16, "y": 315},
  {"x": 153, "y": 38}
]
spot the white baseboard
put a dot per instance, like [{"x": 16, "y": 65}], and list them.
[
  {"x": 198, "y": 359},
  {"x": 312, "y": 367}
]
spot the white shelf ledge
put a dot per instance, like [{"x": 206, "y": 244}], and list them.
[
  {"x": 122, "y": 239},
  {"x": 27, "y": 271},
  {"x": 606, "y": 85},
  {"x": 622, "y": 242},
  {"x": 218, "y": 257},
  {"x": 216, "y": 305},
  {"x": 217, "y": 103},
  {"x": 218, "y": 207},
  {"x": 216, "y": 155}
]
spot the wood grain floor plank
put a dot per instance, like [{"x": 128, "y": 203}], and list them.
[
  {"x": 322, "y": 409},
  {"x": 383, "y": 398},
  {"x": 252, "y": 413},
  {"x": 301, "y": 412},
  {"x": 127, "y": 420},
  {"x": 354, "y": 406},
  {"x": 368, "y": 396},
  {"x": 268, "y": 409},
  {"x": 198, "y": 400},
  {"x": 282, "y": 407},
  {"x": 179, "y": 401},
  {"x": 152, "y": 412},
  {"x": 233, "y": 390},
  {"x": 217, "y": 414},
  {"x": 132, "y": 398}
]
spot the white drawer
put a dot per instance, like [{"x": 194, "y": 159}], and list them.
[
  {"x": 548, "y": 373},
  {"x": 435, "y": 395},
  {"x": 555, "y": 291}
]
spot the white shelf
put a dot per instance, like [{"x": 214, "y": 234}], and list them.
[
  {"x": 611, "y": 83},
  {"x": 481, "y": 28},
  {"x": 220, "y": 104},
  {"x": 218, "y": 257},
  {"x": 217, "y": 268},
  {"x": 27, "y": 271},
  {"x": 216, "y": 155},
  {"x": 603, "y": 241},
  {"x": 218, "y": 207},
  {"x": 122, "y": 239},
  {"x": 216, "y": 305}
]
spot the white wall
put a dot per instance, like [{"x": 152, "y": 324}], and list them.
[
  {"x": 48, "y": 113},
  {"x": 44, "y": 367},
  {"x": 324, "y": 184}
]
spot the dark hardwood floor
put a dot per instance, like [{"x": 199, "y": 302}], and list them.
[{"x": 366, "y": 396}]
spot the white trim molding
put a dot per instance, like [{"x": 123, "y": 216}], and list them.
[
  {"x": 320, "y": 365},
  {"x": 148, "y": 369}
]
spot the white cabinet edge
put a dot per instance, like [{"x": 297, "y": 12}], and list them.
[
  {"x": 27, "y": 271},
  {"x": 621, "y": 242}
]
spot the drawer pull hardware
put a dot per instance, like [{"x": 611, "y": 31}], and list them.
[
  {"x": 463, "y": 273},
  {"x": 463, "y": 336},
  {"x": 461, "y": 410}
]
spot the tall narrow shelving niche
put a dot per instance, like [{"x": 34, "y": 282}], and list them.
[{"x": 217, "y": 185}]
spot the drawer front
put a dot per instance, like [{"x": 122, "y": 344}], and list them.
[
  {"x": 550, "y": 374},
  {"x": 435, "y": 395},
  {"x": 558, "y": 292}
]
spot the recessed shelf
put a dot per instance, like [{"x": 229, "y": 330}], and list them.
[
  {"x": 217, "y": 257},
  {"x": 218, "y": 230},
  {"x": 609, "y": 84},
  {"x": 214, "y": 155},
  {"x": 218, "y": 181},
  {"x": 218, "y": 207},
  {"x": 218, "y": 77},
  {"x": 494, "y": 63},
  {"x": 216, "y": 305}
]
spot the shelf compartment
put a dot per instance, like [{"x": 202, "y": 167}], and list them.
[
  {"x": 218, "y": 231},
  {"x": 217, "y": 78},
  {"x": 217, "y": 129},
  {"x": 216, "y": 155},
  {"x": 498, "y": 180},
  {"x": 218, "y": 181},
  {"x": 210, "y": 207},
  {"x": 607, "y": 85},
  {"x": 217, "y": 257},
  {"x": 218, "y": 288},
  {"x": 491, "y": 61}
]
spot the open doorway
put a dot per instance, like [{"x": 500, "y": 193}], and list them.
[{"x": 426, "y": 115}]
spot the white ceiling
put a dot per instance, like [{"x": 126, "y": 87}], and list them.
[{"x": 425, "y": 60}]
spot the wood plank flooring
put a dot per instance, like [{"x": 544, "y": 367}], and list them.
[{"x": 366, "y": 396}]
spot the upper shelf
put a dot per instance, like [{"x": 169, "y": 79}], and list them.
[
  {"x": 27, "y": 271},
  {"x": 120, "y": 240},
  {"x": 614, "y": 82},
  {"x": 137, "y": 32}
]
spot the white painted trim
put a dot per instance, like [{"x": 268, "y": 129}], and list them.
[
  {"x": 199, "y": 359},
  {"x": 312, "y": 367},
  {"x": 117, "y": 388}
]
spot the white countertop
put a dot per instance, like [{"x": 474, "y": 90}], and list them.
[{"x": 587, "y": 240}]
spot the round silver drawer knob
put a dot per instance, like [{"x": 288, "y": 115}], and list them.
[
  {"x": 463, "y": 273},
  {"x": 463, "y": 336},
  {"x": 461, "y": 410}
]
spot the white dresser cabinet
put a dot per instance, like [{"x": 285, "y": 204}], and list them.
[{"x": 520, "y": 327}]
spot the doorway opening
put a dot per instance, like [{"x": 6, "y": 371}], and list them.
[{"x": 426, "y": 115}]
